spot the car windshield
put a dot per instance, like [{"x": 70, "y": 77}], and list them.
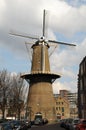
[
  {"x": 76, "y": 121},
  {"x": 37, "y": 116},
  {"x": 84, "y": 121}
]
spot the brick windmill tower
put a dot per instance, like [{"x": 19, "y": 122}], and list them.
[{"x": 40, "y": 98}]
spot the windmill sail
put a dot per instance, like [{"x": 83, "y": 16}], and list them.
[{"x": 63, "y": 43}]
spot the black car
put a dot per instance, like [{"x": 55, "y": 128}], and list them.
[
  {"x": 15, "y": 123},
  {"x": 5, "y": 126},
  {"x": 27, "y": 123},
  {"x": 45, "y": 121},
  {"x": 63, "y": 123}
]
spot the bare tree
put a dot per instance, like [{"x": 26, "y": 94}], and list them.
[
  {"x": 4, "y": 90},
  {"x": 12, "y": 93},
  {"x": 16, "y": 101}
]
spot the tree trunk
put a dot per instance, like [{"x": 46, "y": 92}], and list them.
[
  {"x": 3, "y": 113},
  {"x": 18, "y": 114}
]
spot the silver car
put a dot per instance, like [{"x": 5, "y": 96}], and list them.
[
  {"x": 74, "y": 123},
  {"x": 38, "y": 121}
]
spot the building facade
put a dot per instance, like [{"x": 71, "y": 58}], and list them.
[
  {"x": 72, "y": 98},
  {"x": 64, "y": 93},
  {"x": 62, "y": 108},
  {"x": 82, "y": 89}
]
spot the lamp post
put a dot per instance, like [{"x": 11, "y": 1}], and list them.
[
  {"x": 29, "y": 109},
  {"x": 28, "y": 113}
]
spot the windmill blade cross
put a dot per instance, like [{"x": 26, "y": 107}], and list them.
[
  {"x": 43, "y": 37},
  {"x": 61, "y": 43}
]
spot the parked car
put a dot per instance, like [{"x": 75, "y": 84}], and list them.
[
  {"x": 3, "y": 120},
  {"x": 27, "y": 123},
  {"x": 38, "y": 121},
  {"x": 5, "y": 126},
  {"x": 15, "y": 123},
  {"x": 23, "y": 127},
  {"x": 81, "y": 125},
  {"x": 68, "y": 123},
  {"x": 74, "y": 123},
  {"x": 63, "y": 122},
  {"x": 45, "y": 121}
]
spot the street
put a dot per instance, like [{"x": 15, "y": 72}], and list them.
[{"x": 47, "y": 127}]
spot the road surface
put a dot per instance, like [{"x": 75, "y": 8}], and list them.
[{"x": 47, "y": 127}]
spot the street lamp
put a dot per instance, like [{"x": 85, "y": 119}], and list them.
[{"x": 29, "y": 108}]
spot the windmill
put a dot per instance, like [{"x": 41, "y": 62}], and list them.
[{"x": 40, "y": 79}]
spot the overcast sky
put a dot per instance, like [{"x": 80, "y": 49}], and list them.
[{"x": 65, "y": 21}]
